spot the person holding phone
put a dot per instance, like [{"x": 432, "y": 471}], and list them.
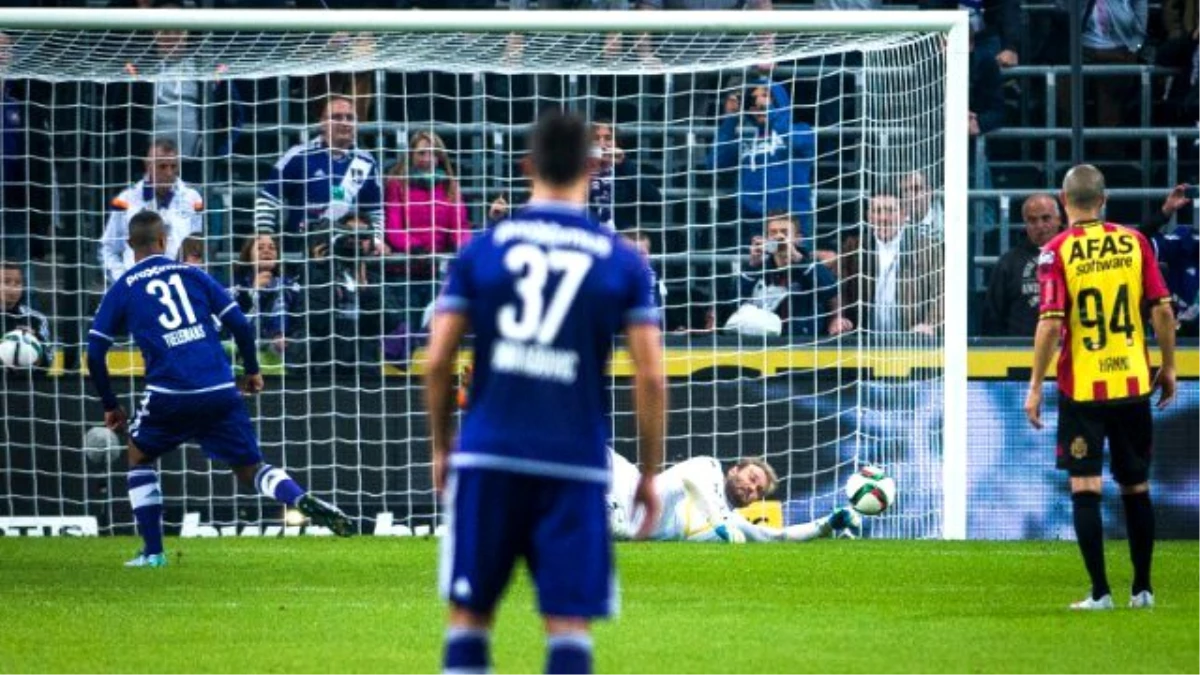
[{"x": 783, "y": 277}]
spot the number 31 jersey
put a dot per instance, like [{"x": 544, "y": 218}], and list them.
[
  {"x": 169, "y": 309},
  {"x": 545, "y": 292},
  {"x": 1099, "y": 277}
]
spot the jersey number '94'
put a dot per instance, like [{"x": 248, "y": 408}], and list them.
[{"x": 1092, "y": 312}]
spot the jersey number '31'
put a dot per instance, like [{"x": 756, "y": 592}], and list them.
[
  {"x": 165, "y": 292},
  {"x": 532, "y": 266}
]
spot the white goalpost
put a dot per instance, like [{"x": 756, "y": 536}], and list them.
[{"x": 339, "y": 159}]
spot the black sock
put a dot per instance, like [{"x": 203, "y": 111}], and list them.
[
  {"x": 1139, "y": 522},
  {"x": 1089, "y": 530}
]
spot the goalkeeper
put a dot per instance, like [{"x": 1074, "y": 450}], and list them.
[{"x": 699, "y": 501}]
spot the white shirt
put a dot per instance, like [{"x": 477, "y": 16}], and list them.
[
  {"x": 887, "y": 266},
  {"x": 183, "y": 217},
  {"x": 682, "y": 516}
]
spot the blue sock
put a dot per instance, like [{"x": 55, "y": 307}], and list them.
[
  {"x": 569, "y": 653},
  {"x": 466, "y": 651},
  {"x": 276, "y": 484},
  {"x": 145, "y": 495}
]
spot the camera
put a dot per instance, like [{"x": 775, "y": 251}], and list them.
[{"x": 770, "y": 246}]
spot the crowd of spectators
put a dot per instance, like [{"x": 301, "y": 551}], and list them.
[{"x": 346, "y": 247}]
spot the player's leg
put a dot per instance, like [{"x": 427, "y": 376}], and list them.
[
  {"x": 486, "y": 522},
  {"x": 571, "y": 562},
  {"x": 1130, "y": 438},
  {"x": 155, "y": 430},
  {"x": 145, "y": 496},
  {"x": 622, "y": 521},
  {"x": 842, "y": 522},
  {"x": 1081, "y": 453},
  {"x": 229, "y": 437}
]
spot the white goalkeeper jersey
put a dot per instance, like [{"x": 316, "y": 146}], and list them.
[{"x": 693, "y": 500}]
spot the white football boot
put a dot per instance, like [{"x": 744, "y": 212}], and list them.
[
  {"x": 1090, "y": 603},
  {"x": 1143, "y": 600}
]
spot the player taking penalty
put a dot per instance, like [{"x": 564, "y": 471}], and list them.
[
  {"x": 172, "y": 310},
  {"x": 544, "y": 293},
  {"x": 1096, "y": 279}
]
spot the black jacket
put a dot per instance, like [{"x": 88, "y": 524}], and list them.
[{"x": 1011, "y": 307}]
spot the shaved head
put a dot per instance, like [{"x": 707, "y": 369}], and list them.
[
  {"x": 147, "y": 234},
  {"x": 1083, "y": 188}
]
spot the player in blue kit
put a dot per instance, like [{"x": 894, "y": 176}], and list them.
[
  {"x": 172, "y": 311},
  {"x": 544, "y": 293}
]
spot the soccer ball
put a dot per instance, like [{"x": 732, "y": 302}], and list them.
[
  {"x": 101, "y": 445},
  {"x": 870, "y": 490},
  {"x": 20, "y": 349}
]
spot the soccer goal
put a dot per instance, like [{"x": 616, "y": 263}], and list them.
[{"x": 338, "y": 159}]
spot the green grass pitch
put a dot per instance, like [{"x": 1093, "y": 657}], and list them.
[{"x": 369, "y": 605}]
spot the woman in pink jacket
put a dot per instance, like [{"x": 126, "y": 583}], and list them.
[{"x": 424, "y": 217}]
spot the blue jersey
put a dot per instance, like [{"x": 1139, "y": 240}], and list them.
[
  {"x": 311, "y": 183},
  {"x": 169, "y": 309},
  {"x": 545, "y": 293}
]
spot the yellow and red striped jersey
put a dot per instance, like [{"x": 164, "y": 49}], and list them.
[{"x": 1098, "y": 277}]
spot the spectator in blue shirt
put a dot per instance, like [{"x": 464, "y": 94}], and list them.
[
  {"x": 783, "y": 277},
  {"x": 775, "y": 168},
  {"x": 1178, "y": 253},
  {"x": 319, "y": 183}
]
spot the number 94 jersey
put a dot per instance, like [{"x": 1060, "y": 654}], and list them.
[
  {"x": 171, "y": 310},
  {"x": 545, "y": 292},
  {"x": 1098, "y": 277}
]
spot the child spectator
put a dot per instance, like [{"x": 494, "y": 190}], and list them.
[
  {"x": 269, "y": 298},
  {"x": 15, "y": 314}
]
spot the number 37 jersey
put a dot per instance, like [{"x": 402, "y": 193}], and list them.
[
  {"x": 1099, "y": 278},
  {"x": 169, "y": 309},
  {"x": 545, "y": 293}
]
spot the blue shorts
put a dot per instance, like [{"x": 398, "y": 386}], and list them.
[
  {"x": 217, "y": 420},
  {"x": 560, "y": 528}
]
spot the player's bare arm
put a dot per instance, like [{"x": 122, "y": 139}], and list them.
[
  {"x": 1045, "y": 342},
  {"x": 650, "y": 392},
  {"x": 1163, "y": 318},
  {"x": 448, "y": 330}
]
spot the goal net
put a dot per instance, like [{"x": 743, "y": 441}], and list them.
[{"x": 795, "y": 191}]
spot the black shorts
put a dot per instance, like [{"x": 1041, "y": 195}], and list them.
[{"x": 1083, "y": 428}]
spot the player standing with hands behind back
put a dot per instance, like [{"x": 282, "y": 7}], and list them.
[
  {"x": 1096, "y": 278},
  {"x": 544, "y": 293}
]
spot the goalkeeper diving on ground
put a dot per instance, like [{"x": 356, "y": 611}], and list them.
[{"x": 700, "y": 501}]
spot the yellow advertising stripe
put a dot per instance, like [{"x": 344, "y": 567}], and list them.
[{"x": 982, "y": 362}]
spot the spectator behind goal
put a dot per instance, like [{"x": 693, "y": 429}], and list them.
[
  {"x": 1012, "y": 293},
  {"x": 890, "y": 275},
  {"x": 17, "y": 314},
  {"x": 161, "y": 191},
  {"x": 775, "y": 167},
  {"x": 317, "y": 184}
]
